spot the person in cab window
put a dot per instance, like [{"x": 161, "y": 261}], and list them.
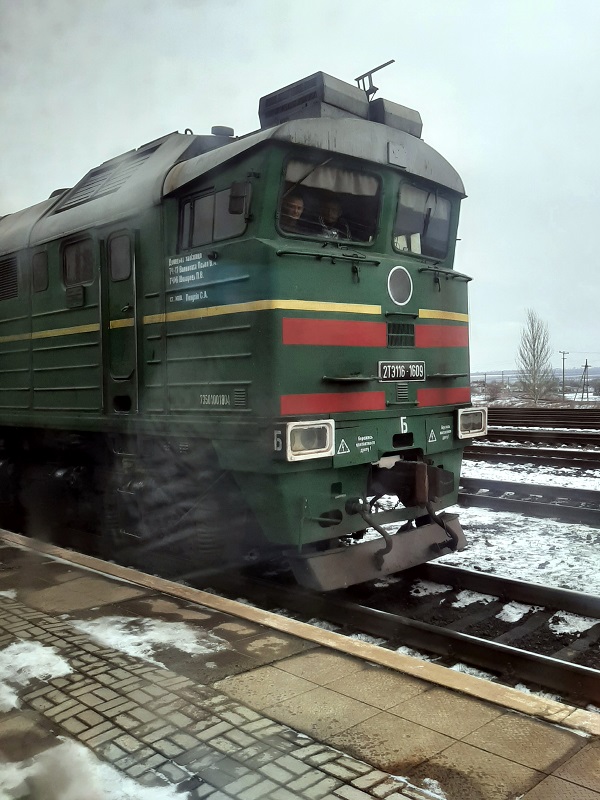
[
  {"x": 331, "y": 223},
  {"x": 292, "y": 208}
]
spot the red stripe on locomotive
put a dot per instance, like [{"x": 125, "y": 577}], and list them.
[
  {"x": 334, "y": 332},
  {"x": 327, "y": 403},
  {"x": 443, "y": 397},
  {"x": 441, "y": 336}
]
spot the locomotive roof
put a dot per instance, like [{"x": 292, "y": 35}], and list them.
[
  {"x": 346, "y": 136},
  {"x": 15, "y": 228},
  {"x": 140, "y": 178},
  {"x": 113, "y": 191}
]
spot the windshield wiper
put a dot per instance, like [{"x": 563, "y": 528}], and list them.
[{"x": 310, "y": 172}]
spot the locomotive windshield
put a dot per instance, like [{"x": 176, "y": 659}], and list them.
[
  {"x": 422, "y": 222},
  {"x": 329, "y": 202}
]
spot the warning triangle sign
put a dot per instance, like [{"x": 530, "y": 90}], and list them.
[
  {"x": 343, "y": 448},
  {"x": 432, "y": 437}
]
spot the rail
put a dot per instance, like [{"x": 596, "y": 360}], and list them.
[
  {"x": 567, "y": 505},
  {"x": 511, "y": 663}
]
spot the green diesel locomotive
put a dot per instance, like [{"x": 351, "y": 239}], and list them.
[{"x": 217, "y": 346}]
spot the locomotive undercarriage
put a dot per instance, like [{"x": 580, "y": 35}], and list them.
[
  {"x": 141, "y": 501},
  {"x": 407, "y": 536},
  {"x": 171, "y": 505},
  {"x": 165, "y": 505}
]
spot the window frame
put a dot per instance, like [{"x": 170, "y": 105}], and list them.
[
  {"x": 36, "y": 289},
  {"x": 440, "y": 195},
  {"x": 111, "y": 239},
  {"x": 71, "y": 243},
  {"x": 187, "y": 217},
  {"x": 340, "y": 164}
]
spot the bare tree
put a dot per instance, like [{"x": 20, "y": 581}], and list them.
[
  {"x": 493, "y": 390},
  {"x": 536, "y": 376}
]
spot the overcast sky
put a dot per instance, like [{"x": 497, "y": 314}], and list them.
[{"x": 508, "y": 91}]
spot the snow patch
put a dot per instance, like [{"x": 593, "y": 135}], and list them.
[
  {"x": 567, "y": 477},
  {"x": 564, "y": 622},
  {"x": 429, "y": 790},
  {"x": 423, "y": 588},
  {"x": 513, "y": 612},
  {"x": 465, "y": 669},
  {"x": 539, "y": 693},
  {"x": 364, "y": 637},
  {"x": 324, "y": 625},
  {"x": 408, "y": 651},
  {"x": 69, "y": 772},
  {"x": 140, "y": 638},
  {"x": 466, "y": 597},
  {"x": 23, "y": 662},
  {"x": 545, "y": 551}
]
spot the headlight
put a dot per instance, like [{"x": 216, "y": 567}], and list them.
[
  {"x": 310, "y": 439},
  {"x": 472, "y": 422}
]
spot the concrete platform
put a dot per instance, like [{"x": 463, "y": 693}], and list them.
[{"x": 129, "y": 686}]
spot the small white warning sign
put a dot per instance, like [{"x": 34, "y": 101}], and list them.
[
  {"x": 343, "y": 448},
  {"x": 431, "y": 437}
]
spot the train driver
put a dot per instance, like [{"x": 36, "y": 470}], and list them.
[
  {"x": 331, "y": 223},
  {"x": 292, "y": 208}
]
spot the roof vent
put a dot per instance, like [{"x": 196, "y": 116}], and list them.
[
  {"x": 319, "y": 95},
  {"x": 221, "y": 130},
  {"x": 396, "y": 116}
]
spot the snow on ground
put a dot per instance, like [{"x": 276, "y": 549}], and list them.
[
  {"x": 559, "y": 554},
  {"x": 567, "y": 477},
  {"x": 23, "y": 662},
  {"x": 544, "y": 551},
  {"x": 466, "y": 598},
  {"x": 513, "y": 611},
  {"x": 69, "y": 772},
  {"x": 564, "y": 622},
  {"x": 140, "y": 638},
  {"x": 429, "y": 789}
]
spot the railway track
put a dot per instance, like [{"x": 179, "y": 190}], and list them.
[
  {"x": 531, "y": 649},
  {"x": 582, "y": 418},
  {"x": 557, "y": 436},
  {"x": 567, "y": 505},
  {"x": 542, "y": 456}
]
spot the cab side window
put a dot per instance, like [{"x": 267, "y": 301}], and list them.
[
  {"x": 78, "y": 262},
  {"x": 39, "y": 271},
  {"x": 119, "y": 257},
  {"x": 212, "y": 217}
]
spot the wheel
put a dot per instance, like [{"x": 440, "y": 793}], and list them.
[{"x": 174, "y": 514}]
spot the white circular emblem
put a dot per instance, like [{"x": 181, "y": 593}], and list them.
[{"x": 400, "y": 285}]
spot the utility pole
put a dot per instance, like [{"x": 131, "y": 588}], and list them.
[
  {"x": 564, "y": 353},
  {"x": 585, "y": 389}
]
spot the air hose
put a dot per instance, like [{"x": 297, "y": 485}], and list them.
[
  {"x": 378, "y": 556},
  {"x": 452, "y": 540}
]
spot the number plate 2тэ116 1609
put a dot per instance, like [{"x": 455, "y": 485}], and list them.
[{"x": 401, "y": 371}]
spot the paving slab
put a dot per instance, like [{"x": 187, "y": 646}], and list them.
[
  {"x": 447, "y": 712},
  {"x": 79, "y": 593},
  {"x": 583, "y": 767},
  {"x": 526, "y": 741}
]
